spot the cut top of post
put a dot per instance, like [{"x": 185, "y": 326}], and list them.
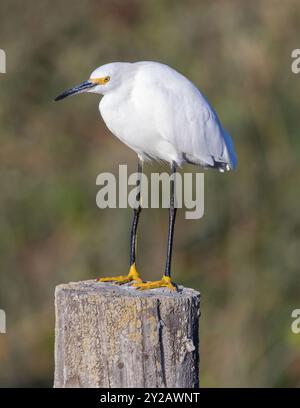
[{"x": 108, "y": 289}]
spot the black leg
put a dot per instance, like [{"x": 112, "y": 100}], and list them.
[
  {"x": 136, "y": 214},
  {"x": 133, "y": 274},
  {"x": 172, "y": 217}
]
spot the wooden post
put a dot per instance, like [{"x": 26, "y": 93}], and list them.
[{"x": 117, "y": 336}]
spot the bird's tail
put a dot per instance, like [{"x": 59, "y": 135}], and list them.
[{"x": 231, "y": 155}]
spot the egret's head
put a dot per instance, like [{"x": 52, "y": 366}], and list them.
[{"x": 101, "y": 81}]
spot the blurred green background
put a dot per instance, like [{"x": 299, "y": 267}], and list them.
[{"x": 243, "y": 255}]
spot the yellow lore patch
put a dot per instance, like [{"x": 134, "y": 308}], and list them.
[{"x": 100, "y": 81}]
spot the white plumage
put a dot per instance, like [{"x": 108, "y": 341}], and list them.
[{"x": 160, "y": 114}]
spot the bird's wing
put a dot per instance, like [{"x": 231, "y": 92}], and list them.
[{"x": 185, "y": 118}]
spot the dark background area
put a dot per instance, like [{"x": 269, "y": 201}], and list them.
[{"x": 243, "y": 255}]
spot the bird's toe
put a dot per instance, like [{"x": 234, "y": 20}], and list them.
[{"x": 165, "y": 282}]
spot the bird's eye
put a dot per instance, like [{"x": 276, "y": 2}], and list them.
[{"x": 106, "y": 79}]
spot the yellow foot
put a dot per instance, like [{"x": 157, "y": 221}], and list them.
[
  {"x": 133, "y": 275},
  {"x": 164, "y": 282}
]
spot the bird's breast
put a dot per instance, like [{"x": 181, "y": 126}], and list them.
[{"x": 129, "y": 123}]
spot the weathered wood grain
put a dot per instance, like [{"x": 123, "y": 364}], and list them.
[{"x": 116, "y": 336}]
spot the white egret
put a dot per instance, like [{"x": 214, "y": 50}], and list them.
[{"x": 160, "y": 114}]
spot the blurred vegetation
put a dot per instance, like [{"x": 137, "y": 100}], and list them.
[{"x": 243, "y": 255}]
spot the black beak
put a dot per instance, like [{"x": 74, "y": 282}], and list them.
[{"x": 77, "y": 89}]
